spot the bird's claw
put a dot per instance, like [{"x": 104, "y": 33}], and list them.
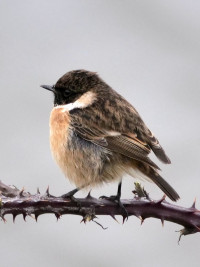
[{"x": 117, "y": 200}]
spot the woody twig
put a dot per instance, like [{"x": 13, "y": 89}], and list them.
[{"x": 14, "y": 201}]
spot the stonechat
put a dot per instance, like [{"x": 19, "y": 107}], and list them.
[{"x": 97, "y": 136}]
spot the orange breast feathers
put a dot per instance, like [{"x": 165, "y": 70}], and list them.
[{"x": 59, "y": 127}]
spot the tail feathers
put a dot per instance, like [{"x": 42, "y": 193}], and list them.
[
  {"x": 165, "y": 187},
  {"x": 159, "y": 181}
]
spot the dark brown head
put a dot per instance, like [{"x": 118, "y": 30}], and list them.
[{"x": 72, "y": 85}]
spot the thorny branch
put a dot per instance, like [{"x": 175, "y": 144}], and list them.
[{"x": 15, "y": 202}]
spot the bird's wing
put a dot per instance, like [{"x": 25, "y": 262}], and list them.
[
  {"x": 112, "y": 113},
  {"x": 156, "y": 147},
  {"x": 125, "y": 144}
]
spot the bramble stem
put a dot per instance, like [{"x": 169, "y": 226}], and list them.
[{"x": 15, "y": 202}]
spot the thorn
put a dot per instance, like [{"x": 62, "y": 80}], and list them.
[
  {"x": 83, "y": 220},
  {"x": 193, "y": 207},
  {"x": 14, "y": 216},
  {"x": 58, "y": 215},
  {"x": 142, "y": 220},
  {"x": 162, "y": 222},
  {"x": 160, "y": 200},
  {"x": 114, "y": 218},
  {"x": 194, "y": 204},
  {"x": 47, "y": 192},
  {"x": 21, "y": 192},
  {"x": 124, "y": 217},
  {"x": 3, "y": 218},
  {"x": 36, "y": 217},
  {"x": 24, "y": 216},
  {"x": 138, "y": 216},
  {"x": 89, "y": 195},
  {"x": 38, "y": 191}
]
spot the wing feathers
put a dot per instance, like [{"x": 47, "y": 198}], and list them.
[
  {"x": 130, "y": 149},
  {"x": 157, "y": 148},
  {"x": 116, "y": 142},
  {"x": 160, "y": 153}
]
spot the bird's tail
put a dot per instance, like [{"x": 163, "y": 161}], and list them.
[{"x": 153, "y": 175}]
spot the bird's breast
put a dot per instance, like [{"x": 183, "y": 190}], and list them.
[{"x": 59, "y": 129}]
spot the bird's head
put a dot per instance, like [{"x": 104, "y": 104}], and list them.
[{"x": 72, "y": 85}]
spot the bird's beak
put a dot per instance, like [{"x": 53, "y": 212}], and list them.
[{"x": 48, "y": 87}]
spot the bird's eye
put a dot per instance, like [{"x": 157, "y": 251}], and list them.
[{"x": 67, "y": 92}]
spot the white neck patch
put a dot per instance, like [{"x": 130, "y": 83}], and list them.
[{"x": 84, "y": 101}]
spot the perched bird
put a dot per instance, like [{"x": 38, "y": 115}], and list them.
[{"x": 97, "y": 136}]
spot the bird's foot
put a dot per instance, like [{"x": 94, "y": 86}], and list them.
[
  {"x": 117, "y": 200},
  {"x": 70, "y": 195}
]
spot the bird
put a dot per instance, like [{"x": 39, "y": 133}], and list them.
[{"x": 97, "y": 136}]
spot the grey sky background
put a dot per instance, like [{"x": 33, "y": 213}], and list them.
[{"x": 146, "y": 50}]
